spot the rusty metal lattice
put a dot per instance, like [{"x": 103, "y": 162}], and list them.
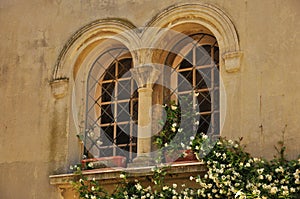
[{"x": 199, "y": 66}]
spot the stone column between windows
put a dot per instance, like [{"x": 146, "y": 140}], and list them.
[{"x": 145, "y": 76}]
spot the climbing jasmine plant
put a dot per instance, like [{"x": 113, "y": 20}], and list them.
[{"x": 231, "y": 173}]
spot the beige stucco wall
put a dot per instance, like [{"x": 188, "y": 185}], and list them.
[{"x": 263, "y": 98}]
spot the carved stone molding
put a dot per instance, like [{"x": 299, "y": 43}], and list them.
[{"x": 59, "y": 87}]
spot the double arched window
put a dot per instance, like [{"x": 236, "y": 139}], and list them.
[
  {"x": 107, "y": 101},
  {"x": 112, "y": 97}
]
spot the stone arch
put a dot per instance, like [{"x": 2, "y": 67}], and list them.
[{"x": 212, "y": 19}]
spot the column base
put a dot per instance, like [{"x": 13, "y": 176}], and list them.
[{"x": 141, "y": 161}]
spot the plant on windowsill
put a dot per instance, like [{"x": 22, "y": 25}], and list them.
[{"x": 174, "y": 138}]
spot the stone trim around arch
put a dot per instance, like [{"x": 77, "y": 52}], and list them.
[
  {"x": 87, "y": 35},
  {"x": 210, "y": 17}
]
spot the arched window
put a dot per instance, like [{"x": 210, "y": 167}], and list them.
[
  {"x": 112, "y": 106},
  {"x": 196, "y": 63}
]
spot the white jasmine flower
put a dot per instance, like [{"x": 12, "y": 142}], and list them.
[
  {"x": 138, "y": 187},
  {"x": 180, "y": 130},
  {"x": 260, "y": 171},
  {"x": 273, "y": 190},
  {"x": 91, "y": 134},
  {"x": 173, "y": 129},
  {"x": 293, "y": 190},
  {"x": 122, "y": 176},
  {"x": 174, "y": 124}
]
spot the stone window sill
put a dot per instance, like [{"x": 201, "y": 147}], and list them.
[{"x": 111, "y": 176}]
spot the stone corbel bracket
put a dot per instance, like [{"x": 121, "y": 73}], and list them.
[
  {"x": 232, "y": 61},
  {"x": 59, "y": 87}
]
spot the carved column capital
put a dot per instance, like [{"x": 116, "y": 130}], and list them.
[{"x": 145, "y": 76}]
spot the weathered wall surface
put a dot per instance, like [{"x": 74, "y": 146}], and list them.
[{"x": 263, "y": 98}]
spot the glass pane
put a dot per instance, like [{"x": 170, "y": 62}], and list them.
[
  {"x": 203, "y": 55},
  {"x": 123, "y": 151},
  {"x": 124, "y": 88},
  {"x": 203, "y": 78},
  {"x": 122, "y": 134},
  {"x": 107, "y": 92},
  {"x": 107, "y": 137},
  {"x": 185, "y": 80},
  {"x": 134, "y": 114},
  {"x": 123, "y": 112},
  {"x": 204, "y": 101},
  {"x": 110, "y": 73},
  {"x": 216, "y": 55},
  {"x": 124, "y": 67},
  {"x": 204, "y": 124},
  {"x": 106, "y": 114},
  {"x": 187, "y": 62}
]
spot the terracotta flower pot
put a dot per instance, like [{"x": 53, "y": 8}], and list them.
[
  {"x": 103, "y": 162},
  {"x": 176, "y": 156}
]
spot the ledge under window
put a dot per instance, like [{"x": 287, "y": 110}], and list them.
[{"x": 109, "y": 177}]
